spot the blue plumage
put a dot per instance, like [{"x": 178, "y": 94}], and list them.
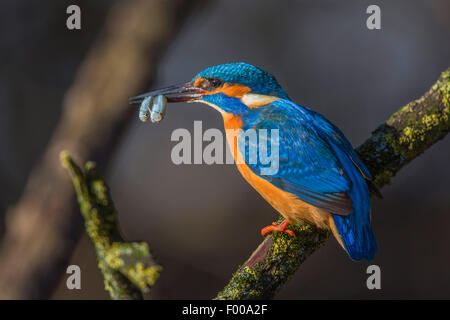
[
  {"x": 355, "y": 229},
  {"x": 307, "y": 167},
  {"x": 245, "y": 74},
  {"x": 319, "y": 165}
]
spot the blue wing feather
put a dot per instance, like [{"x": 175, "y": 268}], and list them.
[
  {"x": 332, "y": 134},
  {"x": 308, "y": 166}
]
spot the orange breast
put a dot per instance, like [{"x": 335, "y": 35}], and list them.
[{"x": 286, "y": 203}]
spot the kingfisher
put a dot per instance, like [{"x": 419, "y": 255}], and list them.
[{"x": 320, "y": 179}]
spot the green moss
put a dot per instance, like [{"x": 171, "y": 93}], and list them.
[
  {"x": 408, "y": 133},
  {"x": 128, "y": 268},
  {"x": 424, "y": 121},
  {"x": 383, "y": 178},
  {"x": 284, "y": 257}
]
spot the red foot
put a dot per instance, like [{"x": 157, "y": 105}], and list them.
[{"x": 278, "y": 227}]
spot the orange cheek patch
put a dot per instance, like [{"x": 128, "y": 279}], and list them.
[
  {"x": 198, "y": 82},
  {"x": 235, "y": 90},
  {"x": 230, "y": 90}
]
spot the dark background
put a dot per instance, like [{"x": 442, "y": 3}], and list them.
[{"x": 203, "y": 221}]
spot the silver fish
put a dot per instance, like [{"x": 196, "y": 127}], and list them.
[
  {"x": 144, "y": 110},
  {"x": 158, "y": 108}
]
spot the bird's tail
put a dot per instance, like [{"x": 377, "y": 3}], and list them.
[
  {"x": 354, "y": 231},
  {"x": 357, "y": 239}
]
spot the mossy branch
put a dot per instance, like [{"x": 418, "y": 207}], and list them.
[
  {"x": 403, "y": 137},
  {"x": 128, "y": 267}
]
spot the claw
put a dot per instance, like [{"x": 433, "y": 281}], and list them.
[{"x": 282, "y": 227}]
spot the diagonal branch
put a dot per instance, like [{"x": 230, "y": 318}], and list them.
[
  {"x": 128, "y": 267},
  {"x": 403, "y": 137}
]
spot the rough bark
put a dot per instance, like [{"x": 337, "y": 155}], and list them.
[
  {"x": 404, "y": 136},
  {"x": 128, "y": 268},
  {"x": 42, "y": 227}
]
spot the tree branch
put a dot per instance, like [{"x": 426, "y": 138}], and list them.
[
  {"x": 403, "y": 137},
  {"x": 128, "y": 267},
  {"x": 42, "y": 227}
]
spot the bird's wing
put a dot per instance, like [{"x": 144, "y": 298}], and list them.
[
  {"x": 308, "y": 166},
  {"x": 335, "y": 137}
]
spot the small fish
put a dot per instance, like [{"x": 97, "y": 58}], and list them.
[
  {"x": 144, "y": 110},
  {"x": 158, "y": 108}
]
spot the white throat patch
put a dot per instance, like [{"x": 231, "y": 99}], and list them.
[{"x": 253, "y": 100}]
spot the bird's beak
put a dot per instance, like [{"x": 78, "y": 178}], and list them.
[{"x": 178, "y": 93}]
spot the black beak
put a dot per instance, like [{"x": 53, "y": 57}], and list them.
[{"x": 177, "y": 93}]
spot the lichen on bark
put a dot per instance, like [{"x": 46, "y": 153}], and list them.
[
  {"x": 128, "y": 268},
  {"x": 408, "y": 132},
  {"x": 260, "y": 280}
]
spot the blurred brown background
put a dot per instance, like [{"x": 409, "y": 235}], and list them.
[{"x": 203, "y": 221}]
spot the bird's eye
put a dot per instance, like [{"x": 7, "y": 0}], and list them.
[{"x": 215, "y": 82}]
